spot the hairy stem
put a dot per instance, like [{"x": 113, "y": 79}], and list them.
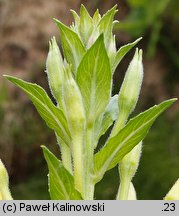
[
  {"x": 124, "y": 186},
  {"x": 124, "y": 177},
  {"x": 66, "y": 157},
  {"x": 120, "y": 123},
  {"x": 88, "y": 158},
  {"x": 78, "y": 162}
]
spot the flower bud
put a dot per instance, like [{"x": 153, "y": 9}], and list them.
[
  {"x": 76, "y": 119},
  {"x": 73, "y": 103},
  {"x": 130, "y": 89},
  {"x": 132, "y": 193},
  {"x": 4, "y": 183},
  {"x": 55, "y": 71},
  {"x": 130, "y": 162},
  {"x": 173, "y": 194}
]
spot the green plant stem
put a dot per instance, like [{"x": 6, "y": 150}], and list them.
[
  {"x": 66, "y": 157},
  {"x": 124, "y": 185},
  {"x": 78, "y": 162},
  {"x": 124, "y": 177},
  {"x": 88, "y": 158},
  {"x": 120, "y": 123}
]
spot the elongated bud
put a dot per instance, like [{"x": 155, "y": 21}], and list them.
[
  {"x": 76, "y": 121},
  {"x": 173, "y": 194},
  {"x": 4, "y": 183},
  {"x": 73, "y": 103},
  {"x": 129, "y": 92},
  {"x": 132, "y": 193},
  {"x": 127, "y": 169},
  {"x": 130, "y": 162},
  {"x": 130, "y": 89},
  {"x": 55, "y": 70}
]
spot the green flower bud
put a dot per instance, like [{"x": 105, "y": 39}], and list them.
[
  {"x": 76, "y": 121},
  {"x": 55, "y": 71},
  {"x": 129, "y": 92},
  {"x": 73, "y": 104},
  {"x": 127, "y": 168},
  {"x": 130, "y": 162},
  {"x": 173, "y": 194},
  {"x": 130, "y": 89},
  {"x": 4, "y": 183},
  {"x": 132, "y": 193}
]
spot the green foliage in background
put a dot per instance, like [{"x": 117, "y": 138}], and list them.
[{"x": 145, "y": 15}]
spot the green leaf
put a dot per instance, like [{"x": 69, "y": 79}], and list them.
[
  {"x": 122, "y": 52},
  {"x": 61, "y": 182},
  {"x": 72, "y": 46},
  {"x": 106, "y": 27},
  {"x": 110, "y": 115},
  {"x": 76, "y": 17},
  {"x": 127, "y": 138},
  {"x": 52, "y": 115},
  {"x": 94, "y": 80},
  {"x": 85, "y": 25},
  {"x": 75, "y": 24},
  {"x": 106, "y": 24},
  {"x": 96, "y": 17}
]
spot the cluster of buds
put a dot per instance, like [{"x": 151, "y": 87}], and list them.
[
  {"x": 83, "y": 33},
  {"x": 89, "y": 28}
]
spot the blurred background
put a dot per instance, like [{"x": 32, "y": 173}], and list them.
[{"x": 26, "y": 26}]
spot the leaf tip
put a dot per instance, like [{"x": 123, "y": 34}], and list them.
[
  {"x": 139, "y": 39},
  {"x": 82, "y": 7},
  {"x": 8, "y": 77},
  {"x": 57, "y": 22},
  {"x": 5, "y": 75},
  {"x": 44, "y": 149},
  {"x": 113, "y": 9},
  {"x": 173, "y": 100}
]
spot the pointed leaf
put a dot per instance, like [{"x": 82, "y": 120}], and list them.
[
  {"x": 110, "y": 115},
  {"x": 86, "y": 25},
  {"x": 122, "y": 52},
  {"x": 96, "y": 17},
  {"x": 106, "y": 27},
  {"x": 94, "y": 80},
  {"x": 75, "y": 24},
  {"x": 53, "y": 116},
  {"x": 61, "y": 182},
  {"x": 106, "y": 24},
  {"x": 76, "y": 17},
  {"x": 72, "y": 46},
  {"x": 127, "y": 138}
]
